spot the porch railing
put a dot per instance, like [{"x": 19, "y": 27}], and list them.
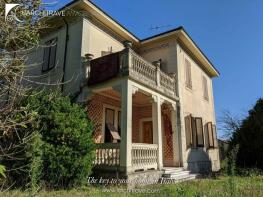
[
  {"x": 107, "y": 154},
  {"x": 145, "y": 72},
  {"x": 144, "y": 156}
]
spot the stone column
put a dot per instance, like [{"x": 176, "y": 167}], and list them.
[
  {"x": 126, "y": 127},
  {"x": 176, "y": 137},
  {"x": 157, "y": 128}
]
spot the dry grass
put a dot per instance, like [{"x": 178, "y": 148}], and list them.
[{"x": 218, "y": 187}]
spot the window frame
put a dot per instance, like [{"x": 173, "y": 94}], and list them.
[
  {"x": 205, "y": 88},
  {"x": 48, "y": 47},
  {"x": 202, "y": 132},
  {"x": 117, "y": 111},
  {"x": 188, "y": 74}
]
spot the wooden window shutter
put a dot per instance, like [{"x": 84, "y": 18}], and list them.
[
  {"x": 188, "y": 133},
  {"x": 49, "y": 59},
  {"x": 215, "y": 136},
  {"x": 205, "y": 88},
  {"x": 199, "y": 132},
  {"x": 188, "y": 74},
  {"x": 194, "y": 132},
  {"x": 46, "y": 58},
  {"x": 53, "y": 51},
  {"x": 206, "y": 135},
  {"x": 210, "y": 135}
]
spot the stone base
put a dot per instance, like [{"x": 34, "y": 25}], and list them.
[{"x": 144, "y": 178}]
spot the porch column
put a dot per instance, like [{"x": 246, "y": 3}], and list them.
[
  {"x": 157, "y": 128},
  {"x": 176, "y": 148},
  {"x": 126, "y": 127}
]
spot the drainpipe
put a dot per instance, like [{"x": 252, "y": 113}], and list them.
[{"x": 65, "y": 55}]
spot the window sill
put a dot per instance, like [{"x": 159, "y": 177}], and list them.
[
  {"x": 190, "y": 89},
  {"x": 206, "y": 99},
  {"x": 46, "y": 71}
]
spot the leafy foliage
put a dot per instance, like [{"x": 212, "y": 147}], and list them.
[
  {"x": 56, "y": 148},
  {"x": 2, "y": 171},
  {"x": 249, "y": 138},
  {"x": 68, "y": 148}
]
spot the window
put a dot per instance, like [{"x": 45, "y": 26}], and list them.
[
  {"x": 205, "y": 89},
  {"x": 194, "y": 132},
  {"x": 211, "y": 138},
  {"x": 188, "y": 132},
  {"x": 112, "y": 119},
  {"x": 199, "y": 131},
  {"x": 109, "y": 118},
  {"x": 49, "y": 59},
  {"x": 188, "y": 75}
]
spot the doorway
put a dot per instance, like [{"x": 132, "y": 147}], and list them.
[{"x": 146, "y": 133}]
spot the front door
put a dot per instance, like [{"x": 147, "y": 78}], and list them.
[{"x": 147, "y": 132}]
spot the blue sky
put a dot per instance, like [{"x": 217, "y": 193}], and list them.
[{"x": 230, "y": 33}]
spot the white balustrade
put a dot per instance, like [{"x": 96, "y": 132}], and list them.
[
  {"x": 144, "y": 156},
  {"x": 145, "y": 72},
  {"x": 107, "y": 154}
]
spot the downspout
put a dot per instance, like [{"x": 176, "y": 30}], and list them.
[{"x": 65, "y": 55}]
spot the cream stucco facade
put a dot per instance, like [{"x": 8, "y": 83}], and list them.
[{"x": 142, "y": 89}]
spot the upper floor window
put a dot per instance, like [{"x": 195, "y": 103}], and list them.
[
  {"x": 188, "y": 74},
  {"x": 49, "y": 59},
  {"x": 205, "y": 89}
]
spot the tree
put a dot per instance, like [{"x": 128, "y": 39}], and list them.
[
  {"x": 249, "y": 138},
  {"x": 16, "y": 40},
  {"x": 228, "y": 124},
  {"x": 61, "y": 150}
]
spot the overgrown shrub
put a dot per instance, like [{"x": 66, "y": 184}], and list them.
[
  {"x": 59, "y": 149},
  {"x": 249, "y": 138},
  {"x": 68, "y": 148},
  {"x": 2, "y": 171}
]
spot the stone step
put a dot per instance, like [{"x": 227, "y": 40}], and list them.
[
  {"x": 178, "y": 179},
  {"x": 170, "y": 170},
  {"x": 176, "y": 174}
]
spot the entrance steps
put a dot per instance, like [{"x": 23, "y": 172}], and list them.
[{"x": 174, "y": 175}]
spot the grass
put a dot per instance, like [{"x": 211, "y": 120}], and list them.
[{"x": 251, "y": 186}]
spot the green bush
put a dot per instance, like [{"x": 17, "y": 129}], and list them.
[
  {"x": 55, "y": 149},
  {"x": 2, "y": 171},
  {"x": 249, "y": 138},
  {"x": 68, "y": 148}
]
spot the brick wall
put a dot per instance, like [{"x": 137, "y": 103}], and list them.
[{"x": 95, "y": 113}]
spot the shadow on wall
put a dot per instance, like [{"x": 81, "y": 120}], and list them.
[{"x": 198, "y": 161}]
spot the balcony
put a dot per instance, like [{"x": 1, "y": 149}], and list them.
[{"x": 128, "y": 63}]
